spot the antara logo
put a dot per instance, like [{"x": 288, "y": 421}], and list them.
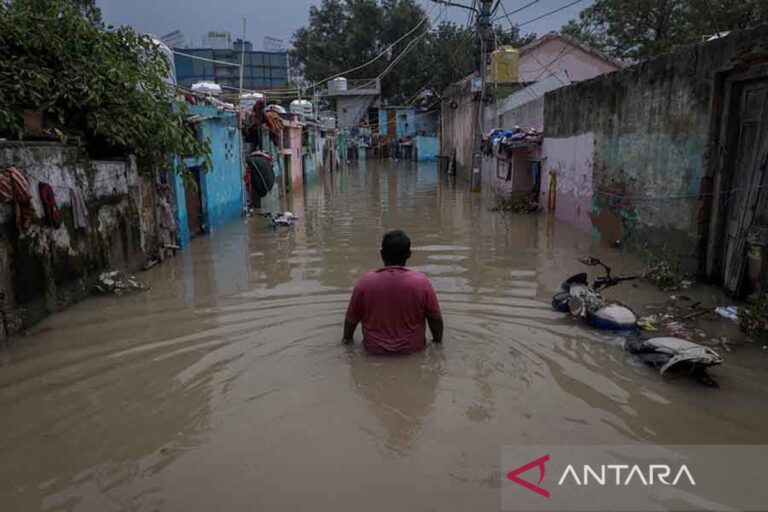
[
  {"x": 538, "y": 463},
  {"x": 603, "y": 475}
]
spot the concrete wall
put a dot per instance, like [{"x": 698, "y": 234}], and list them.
[
  {"x": 351, "y": 110},
  {"x": 557, "y": 55},
  {"x": 524, "y": 108},
  {"x": 570, "y": 159},
  {"x": 496, "y": 170},
  {"x": 46, "y": 269},
  {"x": 529, "y": 114},
  {"x": 293, "y": 150},
  {"x": 638, "y": 140},
  {"x": 459, "y": 118}
]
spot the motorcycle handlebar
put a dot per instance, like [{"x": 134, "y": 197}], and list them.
[{"x": 604, "y": 282}]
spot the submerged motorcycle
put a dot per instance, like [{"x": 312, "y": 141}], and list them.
[
  {"x": 582, "y": 300},
  {"x": 675, "y": 354}
]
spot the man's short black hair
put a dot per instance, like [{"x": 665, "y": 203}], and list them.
[{"x": 395, "y": 248}]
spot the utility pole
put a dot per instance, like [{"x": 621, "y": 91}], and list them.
[
  {"x": 485, "y": 34},
  {"x": 243, "y": 167},
  {"x": 242, "y": 56},
  {"x": 486, "y": 42}
]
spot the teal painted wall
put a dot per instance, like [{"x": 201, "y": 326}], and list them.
[
  {"x": 653, "y": 152},
  {"x": 177, "y": 184},
  {"x": 426, "y": 123},
  {"x": 382, "y": 121},
  {"x": 221, "y": 186},
  {"x": 405, "y": 121},
  {"x": 426, "y": 148}
]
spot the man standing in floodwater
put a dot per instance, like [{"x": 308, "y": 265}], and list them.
[{"x": 394, "y": 303}]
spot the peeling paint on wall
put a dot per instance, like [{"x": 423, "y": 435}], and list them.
[
  {"x": 613, "y": 217},
  {"x": 652, "y": 125},
  {"x": 221, "y": 186},
  {"x": 572, "y": 159},
  {"x": 46, "y": 269}
]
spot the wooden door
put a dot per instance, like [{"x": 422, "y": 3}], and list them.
[
  {"x": 746, "y": 186},
  {"x": 194, "y": 205},
  {"x": 391, "y": 123}
]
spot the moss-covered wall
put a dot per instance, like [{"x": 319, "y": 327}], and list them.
[
  {"x": 651, "y": 127},
  {"x": 46, "y": 269}
]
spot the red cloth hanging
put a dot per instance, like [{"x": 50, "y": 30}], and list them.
[
  {"x": 14, "y": 189},
  {"x": 52, "y": 213}
]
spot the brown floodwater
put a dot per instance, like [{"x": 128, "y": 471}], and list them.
[{"x": 225, "y": 386}]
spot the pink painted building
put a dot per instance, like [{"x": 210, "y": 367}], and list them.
[
  {"x": 554, "y": 53},
  {"x": 291, "y": 153},
  {"x": 551, "y": 62}
]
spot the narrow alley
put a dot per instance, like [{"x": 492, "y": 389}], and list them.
[{"x": 228, "y": 376}]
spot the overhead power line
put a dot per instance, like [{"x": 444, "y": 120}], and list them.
[
  {"x": 550, "y": 13},
  {"x": 361, "y": 66},
  {"x": 407, "y": 49},
  {"x": 320, "y": 82},
  {"x": 508, "y": 14},
  {"x": 197, "y": 57},
  {"x": 712, "y": 17}
]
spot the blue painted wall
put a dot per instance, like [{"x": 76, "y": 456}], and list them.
[
  {"x": 405, "y": 121},
  {"x": 426, "y": 148},
  {"x": 177, "y": 185},
  {"x": 382, "y": 121},
  {"x": 426, "y": 123},
  {"x": 221, "y": 186}
]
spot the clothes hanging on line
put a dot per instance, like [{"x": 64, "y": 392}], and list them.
[
  {"x": 14, "y": 189},
  {"x": 48, "y": 198},
  {"x": 79, "y": 210}
]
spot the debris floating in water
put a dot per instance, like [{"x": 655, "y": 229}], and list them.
[
  {"x": 118, "y": 283},
  {"x": 286, "y": 219},
  {"x": 518, "y": 202},
  {"x": 729, "y": 312}
]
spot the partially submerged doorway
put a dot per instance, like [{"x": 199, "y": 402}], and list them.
[{"x": 736, "y": 251}]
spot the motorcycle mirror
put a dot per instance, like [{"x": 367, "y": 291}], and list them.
[{"x": 590, "y": 261}]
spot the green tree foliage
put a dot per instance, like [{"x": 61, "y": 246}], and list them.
[
  {"x": 511, "y": 37},
  {"x": 107, "y": 86},
  {"x": 344, "y": 34},
  {"x": 89, "y": 9},
  {"x": 632, "y": 30}
]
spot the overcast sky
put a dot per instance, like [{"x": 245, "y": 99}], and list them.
[{"x": 280, "y": 18}]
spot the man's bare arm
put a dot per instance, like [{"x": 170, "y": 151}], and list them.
[
  {"x": 349, "y": 332},
  {"x": 436, "y": 328}
]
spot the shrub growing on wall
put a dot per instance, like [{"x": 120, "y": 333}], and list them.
[{"x": 107, "y": 85}]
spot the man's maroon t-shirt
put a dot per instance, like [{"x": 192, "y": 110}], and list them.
[{"x": 393, "y": 304}]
